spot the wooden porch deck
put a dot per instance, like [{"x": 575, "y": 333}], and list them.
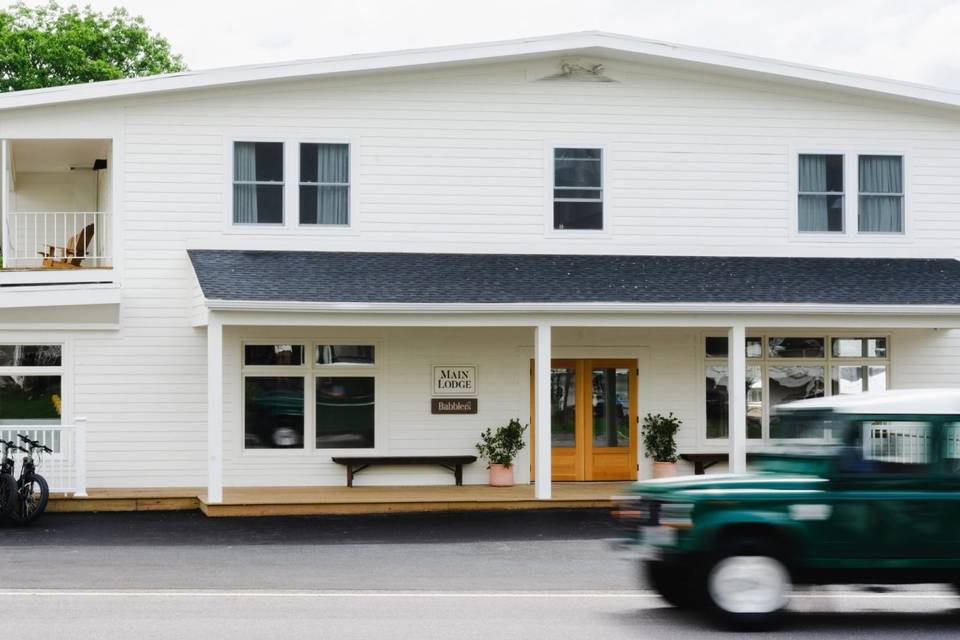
[{"x": 275, "y": 501}]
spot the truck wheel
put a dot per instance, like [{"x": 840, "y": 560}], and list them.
[
  {"x": 672, "y": 583},
  {"x": 747, "y": 585}
]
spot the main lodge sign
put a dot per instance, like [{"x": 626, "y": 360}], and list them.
[
  {"x": 451, "y": 380},
  {"x": 454, "y": 390}
]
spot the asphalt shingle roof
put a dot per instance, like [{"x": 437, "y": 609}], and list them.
[{"x": 311, "y": 276}]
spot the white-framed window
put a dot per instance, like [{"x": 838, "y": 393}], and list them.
[
  {"x": 578, "y": 189},
  {"x": 881, "y": 193},
  {"x": 258, "y": 182},
  {"x": 31, "y": 384},
  {"x": 820, "y": 196},
  {"x": 304, "y": 395},
  {"x": 324, "y": 184},
  {"x": 783, "y": 368}
]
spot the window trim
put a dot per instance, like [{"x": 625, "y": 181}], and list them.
[
  {"x": 766, "y": 361},
  {"x": 291, "y": 189},
  {"x": 605, "y": 188},
  {"x": 851, "y": 212},
  {"x": 310, "y": 371}
]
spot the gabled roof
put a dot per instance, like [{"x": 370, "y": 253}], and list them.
[
  {"x": 595, "y": 43},
  {"x": 412, "y": 279}
]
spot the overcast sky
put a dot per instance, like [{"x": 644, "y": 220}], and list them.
[{"x": 914, "y": 40}]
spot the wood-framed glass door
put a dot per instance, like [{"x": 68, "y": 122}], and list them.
[{"x": 593, "y": 408}]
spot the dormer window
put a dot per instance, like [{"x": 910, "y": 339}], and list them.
[{"x": 578, "y": 188}]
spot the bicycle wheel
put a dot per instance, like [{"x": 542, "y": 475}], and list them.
[
  {"x": 8, "y": 495},
  {"x": 31, "y": 500}
]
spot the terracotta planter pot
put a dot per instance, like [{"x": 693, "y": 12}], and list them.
[
  {"x": 501, "y": 475},
  {"x": 664, "y": 469}
]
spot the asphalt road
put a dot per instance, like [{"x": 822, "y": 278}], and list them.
[{"x": 505, "y": 575}]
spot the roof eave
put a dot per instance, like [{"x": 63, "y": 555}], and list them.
[{"x": 589, "y": 41}]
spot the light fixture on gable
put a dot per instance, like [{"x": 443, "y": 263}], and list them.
[{"x": 576, "y": 70}]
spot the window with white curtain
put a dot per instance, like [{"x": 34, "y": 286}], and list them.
[
  {"x": 258, "y": 183},
  {"x": 881, "y": 194},
  {"x": 820, "y": 200},
  {"x": 324, "y": 184}
]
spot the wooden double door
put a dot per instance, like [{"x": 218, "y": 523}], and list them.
[{"x": 593, "y": 409}]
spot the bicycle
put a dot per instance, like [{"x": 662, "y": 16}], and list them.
[
  {"x": 32, "y": 488},
  {"x": 8, "y": 482}
]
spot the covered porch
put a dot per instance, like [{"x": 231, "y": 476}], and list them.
[{"x": 512, "y": 343}]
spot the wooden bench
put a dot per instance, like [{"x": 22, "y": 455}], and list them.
[
  {"x": 703, "y": 461},
  {"x": 355, "y": 464}
]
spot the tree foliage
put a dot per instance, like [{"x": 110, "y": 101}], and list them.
[
  {"x": 503, "y": 445},
  {"x": 53, "y": 45},
  {"x": 659, "y": 435}
]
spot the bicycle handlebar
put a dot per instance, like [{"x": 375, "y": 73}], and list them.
[{"x": 34, "y": 444}]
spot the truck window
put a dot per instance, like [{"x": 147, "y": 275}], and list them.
[{"x": 887, "y": 447}]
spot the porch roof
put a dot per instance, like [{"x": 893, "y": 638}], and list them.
[{"x": 434, "y": 278}]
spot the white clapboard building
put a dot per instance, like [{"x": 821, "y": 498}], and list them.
[{"x": 223, "y": 279}]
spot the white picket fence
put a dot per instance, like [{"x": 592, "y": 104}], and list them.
[{"x": 66, "y": 468}]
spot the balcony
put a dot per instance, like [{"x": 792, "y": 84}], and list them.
[{"x": 57, "y": 226}]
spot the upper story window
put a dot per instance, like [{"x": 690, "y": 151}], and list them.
[
  {"x": 881, "y": 194},
  {"x": 577, "y": 188},
  {"x": 820, "y": 200},
  {"x": 258, "y": 183},
  {"x": 324, "y": 184}
]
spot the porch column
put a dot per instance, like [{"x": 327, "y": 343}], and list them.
[
  {"x": 542, "y": 356},
  {"x": 737, "y": 394},
  {"x": 214, "y": 409}
]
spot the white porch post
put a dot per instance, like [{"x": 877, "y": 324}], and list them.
[
  {"x": 737, "y": 393},
  {"x": 80, "y": 451},
  {"x": 542, "y": 356},
  {"x": 214, "y": 409}
]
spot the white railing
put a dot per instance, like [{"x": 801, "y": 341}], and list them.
[
  {"x": 65, "y": 470},
  {"x": 34, "y": 236}
]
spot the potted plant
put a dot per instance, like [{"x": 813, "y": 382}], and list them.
[
  {"x": 659, "y": 436},
  {"x": 499, "y": 448}
]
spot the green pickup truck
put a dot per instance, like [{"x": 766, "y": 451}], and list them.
[{"x": 861, "y": 490}]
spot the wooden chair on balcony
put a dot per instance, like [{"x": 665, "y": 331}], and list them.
[{"x": 70, "y": 256}]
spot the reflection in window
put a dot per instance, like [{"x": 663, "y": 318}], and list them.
[
  {"x": 273, "y": 354},
  {"x": 273, "y": 412},
  {"x": 345, "y": 412},
  {"x": 716, "y": 347},
  {"x": 888, "y": 447},
  {"x": 791, "y": 383},
  {"x": 344, "y": 354},
  {"x": 795, "y": 347},
  {"x": 852, "y": 379},
  {"x": 718, "y": 423},
  {"x": 611, "y": 407},
  {"x": 563, "y": 407},
  {"x": 31, "y": 355},
  {"x": 859, "y": 347},
  {"x": 26, "y": 400}
]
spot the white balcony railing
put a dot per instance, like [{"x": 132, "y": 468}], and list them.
[
  {"x": 56, "y": 239},
  {"x": 65, "y": 470}
]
